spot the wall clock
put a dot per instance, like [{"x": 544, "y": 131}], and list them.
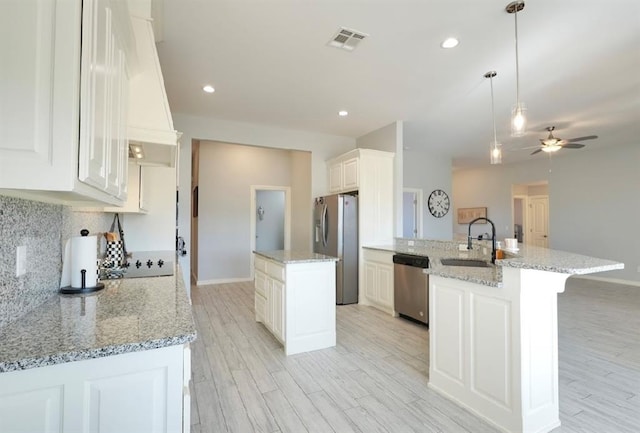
[{"x": 438, "y": 203}]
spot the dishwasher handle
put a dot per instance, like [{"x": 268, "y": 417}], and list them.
[{"x": 411, "y": 260}]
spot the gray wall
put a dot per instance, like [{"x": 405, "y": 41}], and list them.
[
  {"x": 428, "y": 171},
  {"x": 227, "y": 172},
  {"x": 321, "y": 146},
  {"x": 593, "y": 201}
]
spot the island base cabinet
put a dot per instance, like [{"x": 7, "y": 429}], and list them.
[
  {"x": 133, "y": 392},
  {"x": 297, "y": 303},
  {"x": 494, "y": 350}
]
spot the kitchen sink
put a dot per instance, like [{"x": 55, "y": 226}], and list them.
[{"x": 465, "y": 262}]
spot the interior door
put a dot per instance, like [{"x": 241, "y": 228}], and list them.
[{"x": 539, "y": 221}]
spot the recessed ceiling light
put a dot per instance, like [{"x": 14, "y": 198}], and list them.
[
  {"x": 208, "y": 89},
  {"x": 343, "y": 113},
  {"x": 449, "y": 43}
]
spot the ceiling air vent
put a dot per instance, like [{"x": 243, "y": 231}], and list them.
[{"x": 347, "y": 39}]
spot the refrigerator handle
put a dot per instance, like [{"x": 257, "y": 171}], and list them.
[{"x": 324, "y": 225}]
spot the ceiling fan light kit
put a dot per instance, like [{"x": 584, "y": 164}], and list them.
[
  {"x": 495, "y": 152},
  {"x": 518, "y": 114},
  {"x": 552, "y": 144}
]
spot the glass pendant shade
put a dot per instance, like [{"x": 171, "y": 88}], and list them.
[
  {"x": 518, "y": 120},
  {"x": 496, "y": 153},
  {"x": 518, "y": 114},
  {"x": 495, "y": 149}
]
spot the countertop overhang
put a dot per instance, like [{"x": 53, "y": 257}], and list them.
[
  {"x": 528, "y": 257},
  {"x": 292, "y": 256},
  {"x": 129, "y": 315}
]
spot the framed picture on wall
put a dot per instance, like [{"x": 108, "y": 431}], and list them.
[{"x": 468, "y": 214}]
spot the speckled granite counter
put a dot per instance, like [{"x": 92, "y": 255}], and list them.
[
  {"x": 129, "y": 315},
  {"x": 288, "y": 256},
  {"x": 528, "y": 257}
]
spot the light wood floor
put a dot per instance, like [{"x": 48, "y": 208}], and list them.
[{"x": 375, "y": 379}]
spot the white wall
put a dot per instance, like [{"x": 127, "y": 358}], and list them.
[
  {"x": 322, "y": 147},
  {"x": 154, "y": 231},
  {"x": 593, "y": 201},
  {"x": 429, "y": 171},
  {"x": 389, "y": 139}
]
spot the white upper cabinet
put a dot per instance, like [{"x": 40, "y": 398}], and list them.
[{"x": 64, "y": 93}]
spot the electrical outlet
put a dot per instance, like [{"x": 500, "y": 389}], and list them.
[
  {"x": 639, "y": 268},
  {"x": 410, "y": 243},
  {"x": 21, "y": 260}
]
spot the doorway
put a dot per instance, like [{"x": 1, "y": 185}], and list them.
[
  {"x": 530, "y": 212},
  {"x": 411, "y": 213},
  {"x": 539, "y": 221},
  {"x": 270, "y": 218}
]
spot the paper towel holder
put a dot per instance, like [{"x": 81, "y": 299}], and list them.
[{"x": 68, "y": 290}]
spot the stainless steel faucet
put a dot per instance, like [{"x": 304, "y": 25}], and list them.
[{"x": 493, "y": 237}]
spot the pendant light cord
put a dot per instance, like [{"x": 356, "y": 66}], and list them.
[
  {"x": 517, "y": 63},
  {"x": 493, "y": 114}
]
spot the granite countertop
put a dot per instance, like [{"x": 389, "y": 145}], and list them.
[
  {"x": 288, "y": 256},
  {"x": 527, "y": 257},
  {"x": 129, "y": 315}
]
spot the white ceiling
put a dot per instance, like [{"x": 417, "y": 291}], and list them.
[{"x": 269, "y": 63}]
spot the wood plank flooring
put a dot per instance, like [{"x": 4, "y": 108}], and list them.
[{"x": 375, "y": 379}]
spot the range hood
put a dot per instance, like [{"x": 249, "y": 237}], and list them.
[{"x": 150, "y": 123}]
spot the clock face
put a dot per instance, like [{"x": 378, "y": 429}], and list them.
[{"x": 439, "y": 203}]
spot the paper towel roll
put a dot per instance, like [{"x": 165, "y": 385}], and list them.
[{"x": 83, "y": 255}]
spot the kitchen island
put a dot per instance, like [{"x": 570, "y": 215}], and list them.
[
  {"x": 295, "y": 298},
  {"x": 114, "y": 360},
  {"x": 493, "y": 343}
]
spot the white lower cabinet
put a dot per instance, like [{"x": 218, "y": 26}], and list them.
[
  {"x": 297, "y": 303},
  {"x": 133, "y": 392},
  {"x": 377, "y": 286}
]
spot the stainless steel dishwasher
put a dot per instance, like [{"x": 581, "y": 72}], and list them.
[{"x": 411, "y": 286}]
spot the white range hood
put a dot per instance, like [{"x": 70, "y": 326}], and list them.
[{"x": 150, "y": 122}]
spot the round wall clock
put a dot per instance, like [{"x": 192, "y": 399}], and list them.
[{"x": 439, "y": 203}]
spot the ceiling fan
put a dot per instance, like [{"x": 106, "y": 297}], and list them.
[{"x": 553, "y": 144}]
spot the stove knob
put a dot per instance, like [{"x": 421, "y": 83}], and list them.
[
  {"x": 149, "y": 264},
  {"x": 160, "y": 263},
  {"x": 138, "y": 264}
]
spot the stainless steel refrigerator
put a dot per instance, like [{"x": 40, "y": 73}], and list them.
[{"x": 336, "y": 234}]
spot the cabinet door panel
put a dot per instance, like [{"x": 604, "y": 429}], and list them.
[
  {"x": 384, "y": 278},
  {"x": 97, "y": 60},
  {"x": 350, "y": 174},
  {"x": 277, "y": 305},
  {"x": 39, "y": 410},
  {"x": 335, "y": 177},
  {"x": 36, "y": 105},
  {"x": 143, "y": 394},
  {"x": 370, "y": 281},
  {"x": 268, "y": 288}
]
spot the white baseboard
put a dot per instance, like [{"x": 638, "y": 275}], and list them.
[
  {"x": 611, "y": 280},
  {"x": 223, "y": 281}
]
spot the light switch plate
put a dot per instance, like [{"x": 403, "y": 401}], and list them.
[{"x": 21, "y": 260}]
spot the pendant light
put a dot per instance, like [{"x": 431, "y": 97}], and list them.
[
  {"x": 495, "y": 150},
  {"x": 518, "y": 114}
]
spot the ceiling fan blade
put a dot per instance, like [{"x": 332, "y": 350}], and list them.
[
  {"x": 573, "y": 146},
  {"x": 536, "y": 151},
  {"x": 588, "y": 137}
]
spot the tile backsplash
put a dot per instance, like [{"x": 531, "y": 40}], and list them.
[{"x": 42, "y": 228}]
